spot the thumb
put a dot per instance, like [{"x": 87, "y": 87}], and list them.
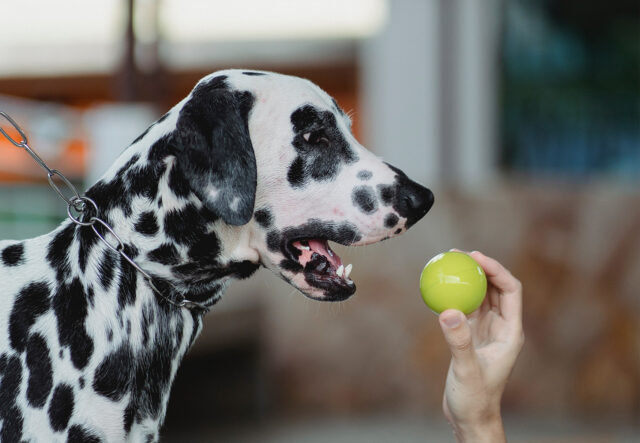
[{"x": 457, "y": 333}]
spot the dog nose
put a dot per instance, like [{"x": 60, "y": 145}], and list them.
[{"x": 412, "y": 201}]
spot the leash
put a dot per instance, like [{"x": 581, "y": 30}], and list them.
[{"x": 78, "y": 205}]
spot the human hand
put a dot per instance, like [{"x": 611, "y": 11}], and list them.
[{"x": 484, "y": 347}]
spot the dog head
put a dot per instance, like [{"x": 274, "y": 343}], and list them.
[{"x": 274, "y": 156}]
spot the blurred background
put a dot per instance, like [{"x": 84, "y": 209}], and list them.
[{"x": 523, "y": 116}]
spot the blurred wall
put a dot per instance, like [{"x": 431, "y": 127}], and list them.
[{"x": 429, "y": 90}]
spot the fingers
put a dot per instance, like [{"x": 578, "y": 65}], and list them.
[
  {"x": 497, "y": 274},
  {"x": 457, "y": 334},
  {"x": 508, "y": 287}
]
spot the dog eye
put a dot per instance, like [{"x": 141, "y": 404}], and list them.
[{"x": 316, "y": 138}]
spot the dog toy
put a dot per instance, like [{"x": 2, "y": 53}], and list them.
[{"x": 453, "y": 280}]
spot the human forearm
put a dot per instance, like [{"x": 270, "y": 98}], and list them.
[{"x": 490, "y": 431}]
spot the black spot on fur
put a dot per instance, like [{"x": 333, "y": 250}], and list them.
[
  {"x": 10, "y": 382},
  {"x": 147, "y": 224},
  {"x": 106, "y": 268},
  {"x": 81, "y": 382},
  {"x": 148, "y": 318},
  {"x": 166, "y": 254},
  {"x": 204, "y": 273},
  {"x": 387, "y": 193},
  {"x": 13, "y": 255},
  {"x": 61, "y": 407},
  {"x": 184, "y": 225},
  {"x": 90, "y": 296},
  {"x": 364, "y": 197},
  {"x": 116, "y": 193},
  {"x": 296, "y": 174},
  {"x": 243, "y": 269},
  {"x": 144, "y": 180},
  {"x": 57, "y": 252},
  {"x": 161, "y": 149},
  {"x": 12, "y": 426},
  {"x": 32, "y": 301},
  {"x": 10, "y": 415},
  {"x": 322, "y": 154},
  {"x": 111, "y": 195},
  {"x": 141, "y": 136},
  {"x": 149, "y": 377},
  {"x": 70, "y": 307},
  {"x": 127, "y": 285},
  {"x": 110, "y": 379},
  {"x": 290, "y": 265},
  {"x": 128, "y": 416},
  {"x": 364, "y": 175},
  {"x": 40, "y": 374},
  {"x": 178, "y": 183},
  {"x": 264, "y": 217},
  {"x": 78, "y": 434},
  {"x": 274, "y": 240},
  {"x": 253, "y": 73},
  {"x": 132, "y": 161},
  {"x": 130, "y": 250},
  {"x": 391, "y": 220},
  {"x": 87, "y": 239},
  {"x": 155, "y": 369},
  {"x": 206, "y": 249}
]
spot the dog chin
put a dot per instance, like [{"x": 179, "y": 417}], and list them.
[{"x": 321, "y": 290}]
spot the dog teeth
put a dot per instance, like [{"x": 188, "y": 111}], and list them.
[
  {"x": 340, "y": 271},
  {"x": 347, "y": 270},
  {"x": 306, "y": 248}
]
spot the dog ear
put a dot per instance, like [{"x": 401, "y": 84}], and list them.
[{"x": 216, "y": 154}]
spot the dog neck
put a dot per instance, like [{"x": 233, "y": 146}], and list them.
[
  {"x": 165, "y": 228},
  {"x": 169, "y": 234}
]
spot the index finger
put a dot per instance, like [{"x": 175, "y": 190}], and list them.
[{"x": 508, "y": 286}]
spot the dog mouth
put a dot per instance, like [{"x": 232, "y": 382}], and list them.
[{"x": 322, "y": 268}]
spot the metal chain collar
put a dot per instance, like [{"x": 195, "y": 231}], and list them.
[{"x": 77, "y": 205}]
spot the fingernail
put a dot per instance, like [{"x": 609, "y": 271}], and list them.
[{"x": 452, "y": 321}]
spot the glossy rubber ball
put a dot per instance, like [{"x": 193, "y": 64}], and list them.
[{"x": 453, "y": 280}]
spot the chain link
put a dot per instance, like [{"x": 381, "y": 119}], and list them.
[{"x": 83, "y": 205}]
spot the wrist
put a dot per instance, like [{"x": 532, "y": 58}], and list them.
[{"x": 488, "y": 429}]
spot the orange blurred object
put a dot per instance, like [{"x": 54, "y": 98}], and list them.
[{"x": 16, "y": 166}]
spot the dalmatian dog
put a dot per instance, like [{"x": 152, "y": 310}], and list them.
[{"x": 251, "y": 169}]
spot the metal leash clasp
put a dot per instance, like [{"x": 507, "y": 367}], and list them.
[
  {"x": 83, "y": 205},
  {"x": 20, "y": 144}
]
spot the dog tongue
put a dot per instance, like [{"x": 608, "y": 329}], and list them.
[{"x": 318, "y": 246}]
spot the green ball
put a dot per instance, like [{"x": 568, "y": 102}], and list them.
[{"x": 453, "y": 280}]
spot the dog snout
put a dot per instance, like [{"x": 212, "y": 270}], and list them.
[{"x": 412, "y": 200}]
